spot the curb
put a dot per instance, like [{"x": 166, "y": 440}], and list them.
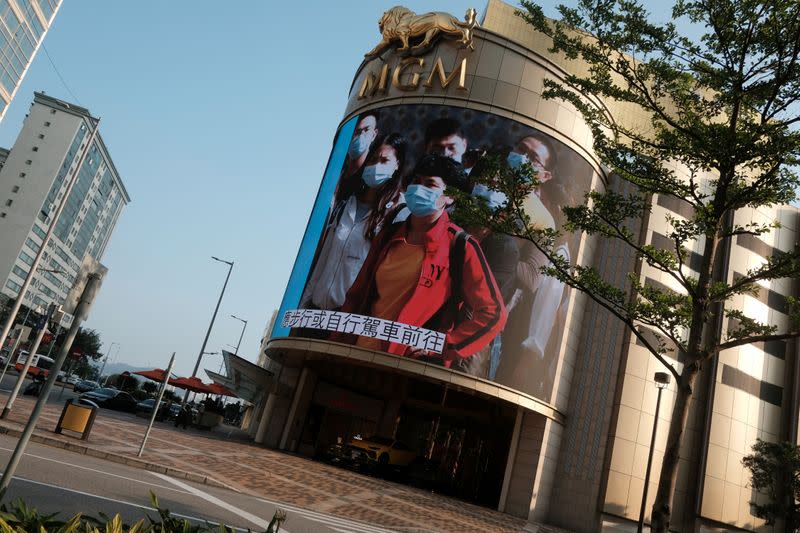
[{"x": 115, "y": 457}]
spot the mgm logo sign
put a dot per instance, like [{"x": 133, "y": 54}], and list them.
[{"x": 403, "y": 25}]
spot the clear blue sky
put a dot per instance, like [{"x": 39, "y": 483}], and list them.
[{"x": 220, "y": 122}]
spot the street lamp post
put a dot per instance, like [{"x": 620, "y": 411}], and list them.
[
  {"x": 213, "y": 317},
  {"x": 662, "y": 381},
  {"x": 244, "y": 326},
  {"x": 105, "y": 360}
]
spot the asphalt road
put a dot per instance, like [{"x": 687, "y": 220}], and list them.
[
  {"x": 56, "y": 396},
  {"x": 54, "y": 480}
]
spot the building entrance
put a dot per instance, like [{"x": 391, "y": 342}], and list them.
[{"x": 433, "y": 436}]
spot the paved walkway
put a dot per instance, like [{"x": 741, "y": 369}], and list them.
[{"x": 225, "y": 457}]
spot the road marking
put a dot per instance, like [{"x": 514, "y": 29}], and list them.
[
  {"x": 72, "y": 465},
  {"x": 260, "y": 522},
  {"x": 332, "y": 521},
  {"x": 121, "y": 502}
]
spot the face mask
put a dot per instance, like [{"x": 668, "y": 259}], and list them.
[
  {"x": 359, "y": 145},
  {"x": 421, "y": 201},
  {"x": 377, "y": 175},
  {"x": 516, "y": 160},
  {"x": 494, "y": 199}
]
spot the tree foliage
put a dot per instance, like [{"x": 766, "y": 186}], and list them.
[
  {"x": 775, "y": 471},
  {"x": 708, "y": 122}
]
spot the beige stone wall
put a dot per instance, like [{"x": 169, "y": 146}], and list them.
[{"x": 753, "y": 383}]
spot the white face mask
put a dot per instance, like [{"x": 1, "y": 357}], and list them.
[
  {"x": 377, "y": 175},
  {"x": 516, "y": 160},
  {"x": 359, "y": 145},
  {"x": 494, "y": 199}
]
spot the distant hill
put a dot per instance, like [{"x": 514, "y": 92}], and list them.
[{"x": 119, "y": 368}]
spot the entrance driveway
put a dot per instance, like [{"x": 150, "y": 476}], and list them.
[{"x": 225, "y": 457}]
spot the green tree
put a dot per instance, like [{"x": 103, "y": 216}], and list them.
[
  {"x": 88, "y": 342},
  {"x": 775, "y": 471},
  {"x": 721, "y": 107}
]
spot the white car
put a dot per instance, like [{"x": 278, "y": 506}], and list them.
[{"x": 72, "y": 379}]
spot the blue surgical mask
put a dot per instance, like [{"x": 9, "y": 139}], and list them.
[
  {"x": 359, "y": 145},
  {"x": 377, "y": 175},
  {"x": 421, "y": 200},
  {"x": 494, "y": 199},
  {"x": 516, "y": 160}
]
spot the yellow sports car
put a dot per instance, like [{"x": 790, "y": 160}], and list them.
[{"x": 381, "y": 450}]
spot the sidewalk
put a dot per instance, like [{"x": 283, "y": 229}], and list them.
[{"x": 225, "y": 458}]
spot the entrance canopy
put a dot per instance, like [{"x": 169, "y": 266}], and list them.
[{"x": 244, "y": 379}]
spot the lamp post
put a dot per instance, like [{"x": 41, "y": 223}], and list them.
[
  {"x": 662, "y": 381},
  {"x": 105, "y": 360},
  {"x": 213, "y": 317},
  {"x": 244, "y": 322}
]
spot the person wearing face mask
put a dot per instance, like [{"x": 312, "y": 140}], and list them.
[
  {"x": 532, "y": 321},
  {"x": 445, "y": 137},
  {"x": 407, "y": 275},
  {"x": 502, "y": 255},
  {"x": 355, "y": 222},
  {"x": 363, "y": 136}
]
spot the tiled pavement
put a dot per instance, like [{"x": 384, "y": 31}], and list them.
[{"x": 224, "y": 458}]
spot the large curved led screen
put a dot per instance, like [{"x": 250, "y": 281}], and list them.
[{"x": 383, "y": 267}]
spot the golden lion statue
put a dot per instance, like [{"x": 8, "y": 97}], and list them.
[{"x": 400, "y": 23}]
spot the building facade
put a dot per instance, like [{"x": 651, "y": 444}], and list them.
[
  {"x": 23, "y": 26},
  {"x": 51, "y": 148},
  {"x": 542, "y": 405}
]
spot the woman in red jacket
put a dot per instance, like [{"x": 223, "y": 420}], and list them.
[{"x": 407, "y": 278}]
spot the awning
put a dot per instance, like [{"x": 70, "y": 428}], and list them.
[{"x": 246, "y": 380}]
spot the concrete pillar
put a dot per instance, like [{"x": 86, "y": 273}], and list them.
[
  {"x": 512, "y": 457},
  {"x": 300, "y": 402},
  {"x": 266, "y": 415}
]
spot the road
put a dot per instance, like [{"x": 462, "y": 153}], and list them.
[
  {"x": 54, "y": 480},
  {"x": 56, "y": 396}
]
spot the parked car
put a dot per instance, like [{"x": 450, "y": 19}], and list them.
[
  {"x": 112, "y": 399},
  {"x": 85, "y": 402},
  {"x": 72, "y": 379},
  {"x": 374, "y": 451},
  {"x": 85, "y": 385},
  {"x": 145, "y": 408}
]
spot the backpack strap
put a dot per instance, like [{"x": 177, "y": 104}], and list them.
[{"x": 457, "y": 255}]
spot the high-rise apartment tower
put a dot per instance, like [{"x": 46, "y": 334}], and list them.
[
  {"x": 23, "y": 25},
  {"x": 33, "y": 180}
]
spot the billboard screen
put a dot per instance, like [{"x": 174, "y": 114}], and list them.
[{"x": 383, "y": 267}]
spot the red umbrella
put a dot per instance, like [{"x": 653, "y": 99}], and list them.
[
  {"x": 193, "y": 384},
  {"x": 156, "y": 374},
  {"x": 216, "y": 388}
]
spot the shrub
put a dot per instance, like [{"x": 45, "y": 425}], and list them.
[{"x": 21, "y": 518}]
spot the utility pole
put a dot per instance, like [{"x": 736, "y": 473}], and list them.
[{"x": 80, "y": 314}]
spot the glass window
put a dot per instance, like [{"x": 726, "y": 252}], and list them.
[
  {"x": 20, "y": 272},
  {"x": 13, "y": 286},
  {"x": 15, "y": 188},
  {"x": 39, "y": 231},
  {"x": 26, "y": 258},
  {"x": 32, "y": 245}
]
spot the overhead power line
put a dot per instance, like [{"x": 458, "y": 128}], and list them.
[{"x": 77, "y": 101}]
